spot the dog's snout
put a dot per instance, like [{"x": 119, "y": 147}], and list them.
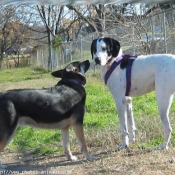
[{"x": 97, "y": 60}]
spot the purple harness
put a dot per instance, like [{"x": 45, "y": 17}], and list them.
[{"x": 128, "y": 71}]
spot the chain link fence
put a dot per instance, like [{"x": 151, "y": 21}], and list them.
[{"x": 137, "y": 35}]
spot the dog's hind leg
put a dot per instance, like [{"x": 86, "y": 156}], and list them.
[
  {"x": 2, "y": 146},
  {"x": 66, "y": 147},
  {"x": 130, "y": 120},
  {"x": 8, "y": 124},
  {"x": 78, "y": 128},
  {"x": 5, "y": 138},
  {"x": 164, "y": 103}
]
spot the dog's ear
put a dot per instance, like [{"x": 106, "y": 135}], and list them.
[
  {"x": 114, "y": 47},
  {"x": 84, "y": 66},
  {"x": 58, "y": 73},
  {"x": 93, "y": 47},
  {"x": 124, "y": 61}
]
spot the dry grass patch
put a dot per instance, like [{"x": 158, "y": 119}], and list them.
[{"x": 36, "y": 83}]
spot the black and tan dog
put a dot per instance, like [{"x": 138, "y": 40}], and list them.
[{"x": 58, "y": 107}]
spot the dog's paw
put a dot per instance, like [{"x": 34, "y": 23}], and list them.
[
  {"x": 73, "y": 158},
  {"x": 162, "y": 147},
  {"x": 123, "y": 146}
]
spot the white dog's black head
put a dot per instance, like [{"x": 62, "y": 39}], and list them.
[
  {"x": 74, "y": 71},
  {"x": 103, "y": 49}
]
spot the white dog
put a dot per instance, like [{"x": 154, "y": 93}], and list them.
[{"x": 149, "y": 72}]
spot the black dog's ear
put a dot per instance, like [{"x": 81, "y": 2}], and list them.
[
  {"x": 114, "y": 47},
  {"x": 58, "y": 73},
  {"x": 93, "y": 47},
  {"x": 84, "y": 66}
]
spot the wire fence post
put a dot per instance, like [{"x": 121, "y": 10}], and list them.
[
  {"x": 81, "y": 47},
  {"x": 164, "y": 32},
  {"x": 70, "y": 51},
  {"x": 133, "y": 40}
]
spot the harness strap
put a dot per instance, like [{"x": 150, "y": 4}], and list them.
[
  {"x": 113, "y": 66},
  {"x": 128, "y": 71},
  {"x": 128, "y": 74}
]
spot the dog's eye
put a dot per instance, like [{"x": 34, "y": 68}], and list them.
[{"x": 104, "y": 49}]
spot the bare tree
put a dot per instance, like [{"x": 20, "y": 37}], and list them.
[
  {"x": 132, "y": 27},
  {"x": 12, "y": 29},
  {"x": 98, "y": 17},
  {"x": 57, "y": 23},
  {"x": 127, "y": 19}
]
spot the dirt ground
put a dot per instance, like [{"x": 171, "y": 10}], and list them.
[{"x": 123, "y": 162}]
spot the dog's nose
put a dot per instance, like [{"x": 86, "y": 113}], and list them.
[{"x": 97, "y": 60}]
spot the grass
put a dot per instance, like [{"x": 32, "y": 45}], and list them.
[
  {"x": 40, "y": 140},
  {"x": 101, "y": 122},
  {"x": 22, "y": 74}
]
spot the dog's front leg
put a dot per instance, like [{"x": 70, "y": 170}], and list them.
[
  {"x": 66, "y": 148},
  {"x": 121, "y": 108},
  {"x": 130, "y": 119}
]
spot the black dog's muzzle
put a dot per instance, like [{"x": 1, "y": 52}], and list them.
[{"x": 97, "y": 60}]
